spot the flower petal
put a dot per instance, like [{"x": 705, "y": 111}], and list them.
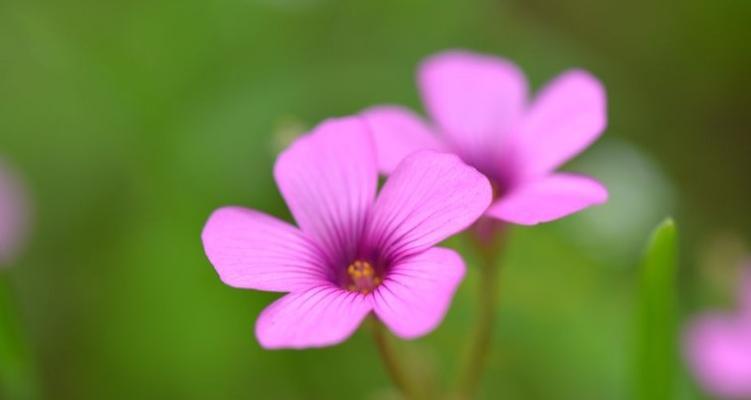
[
  {"x": 429, "y": 197},
  {"x": 476, "y": 99},
  {"x": 252, "y": 250},
  {"x": 13, "y": 215},
  {"x": 567, "y": 116},
  {"x": 328, "y": 179},
  {"x": 548, "y": 199},
  {"x": 397, "y": 133},
  {"x": 417, "y": 292},
  {"x": 318, "y": 317},
  {"x": 719, "y": 350}
]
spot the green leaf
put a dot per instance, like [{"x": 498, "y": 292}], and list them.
[{"x": 656, "y": 343}]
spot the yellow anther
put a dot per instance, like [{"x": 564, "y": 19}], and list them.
[{"x": 362, "y": 276}]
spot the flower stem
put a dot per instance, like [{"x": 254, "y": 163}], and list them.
[
  {"x": 486, "y": 237},
  {"x": 390, "y": 359},
  {"x": 16, "y": 377}
]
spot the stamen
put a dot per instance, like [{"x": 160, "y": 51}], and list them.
[{"x": 362, "y": 277}]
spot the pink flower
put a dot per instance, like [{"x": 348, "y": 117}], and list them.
[
  {"x": 718, "y": 348},
  {"x": 353, "y": 252},
  {"x": 479, "y": 107},
  {"x": 12, "y": 215}
]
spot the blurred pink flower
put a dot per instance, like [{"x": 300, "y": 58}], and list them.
[
  {"x": 480, "y": 109},
  {"x": 718, "y": 348},
  {"x": 12, "y": 215},
  {"x": 353, "y": 252}
]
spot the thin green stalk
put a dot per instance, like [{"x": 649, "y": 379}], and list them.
[
  {"x": 16, "y": 378},
  {"x": 390, "y": 359},
  {"x": 486, "y": 237}
]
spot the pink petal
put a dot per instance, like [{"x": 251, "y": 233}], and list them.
[
  {"x": 318, "y": 317},
  {"x": 719, "y": 351},
  {"x": 397, "y": 133},
  {"x": 417, "y": 292},
  {"x": 476, "y": 99},
  {"x": 548, "y": 199},
  {"x": 567, "y": 116},
  {"x": 13, "y": 215},
  {"x": 252, "y": 250},
  {"x": 429, "y": 197},
  {"x": 328, "y": 179}
]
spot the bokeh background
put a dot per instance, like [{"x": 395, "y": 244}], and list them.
[{"x": 132, "y": 120}]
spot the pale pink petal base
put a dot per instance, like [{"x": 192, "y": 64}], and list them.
[
  {"x": 252, "y": 250},
  {"x": 397, "y": 133},
  {"x": 319, "y": 317},
  {"x": 415, "y": 297},
  {"x": 548, "y": 199},
  {"x": 719, "y": 350}
]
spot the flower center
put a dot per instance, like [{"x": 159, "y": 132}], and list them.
[{"x": 362, "y": 277}]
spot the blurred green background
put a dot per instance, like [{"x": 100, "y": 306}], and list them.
[{"x": 132, "y": 120}]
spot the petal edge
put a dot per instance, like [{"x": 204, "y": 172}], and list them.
[
  {"x": 476, "y": 99},
  {"x": 252, "y": 250},
  {"x": 397, "y": 133},
  {"x": 567, "y": 116},
  {"x": 328, "y": 179},
  {"x": 429, "y": 197},
  {"x": 416, "y": 295},
  {"x": 318, "y": 317},
  {"x": 548, "y": 199}
]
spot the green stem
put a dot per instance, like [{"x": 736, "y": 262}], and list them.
[
  {"x": 390, "y": 359},
  {"x": 487, "y": 241},
  {"x": 16, "y": 378}
]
